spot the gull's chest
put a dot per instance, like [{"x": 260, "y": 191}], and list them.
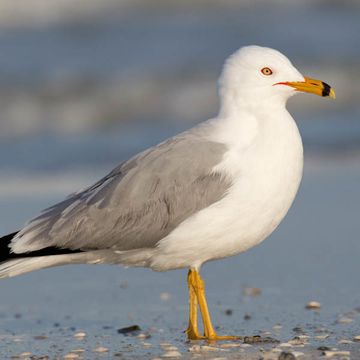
[{"x": 266, "y": 177}]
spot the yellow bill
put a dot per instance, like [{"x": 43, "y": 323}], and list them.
[{"x": 312, "y": 86}]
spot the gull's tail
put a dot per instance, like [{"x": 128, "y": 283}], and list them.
[{"x": 12, "y": 264}]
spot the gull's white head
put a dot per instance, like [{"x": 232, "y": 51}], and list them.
[{"x": 255, "y": 76}]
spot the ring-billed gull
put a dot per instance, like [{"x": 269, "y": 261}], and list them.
[{"x": 211, "y": 192}]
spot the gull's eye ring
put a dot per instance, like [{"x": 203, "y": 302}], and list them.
[{"x": 266, "y": 71}]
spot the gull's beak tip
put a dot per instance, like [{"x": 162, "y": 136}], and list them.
[{"x": 332, "y": 94}]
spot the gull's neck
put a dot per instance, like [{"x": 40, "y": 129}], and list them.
[
  {"x": 232, "y": 104},
  {"x": 241, "y": 120}
]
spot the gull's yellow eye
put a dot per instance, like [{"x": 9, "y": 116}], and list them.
[{"x": 266, "y": 71}]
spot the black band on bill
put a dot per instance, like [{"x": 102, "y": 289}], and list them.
[{"x": 326, "y": 89}]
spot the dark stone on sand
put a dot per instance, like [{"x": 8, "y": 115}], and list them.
[
  {"x": 252, "y": 339},
  {"x": 247, "y": 317},
  {"x": 129, "y": 330},
  {"x": 298, "y": 329},
  {"x": 228, "y": 312},
  {"x": 40, "y": 337},
  {"x": 287, "y": 356},
  {"x": 323, "y": 348},
  {"x": 257, "y": 339}
]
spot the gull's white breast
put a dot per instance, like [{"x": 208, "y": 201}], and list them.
[{"x": 265, "y": 166}]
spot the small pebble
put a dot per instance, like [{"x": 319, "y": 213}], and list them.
[
  {"x": 78, "y": 351},
  {"x": 285, "y": 345},
  {"x": 357, "y": 338},
  {"x": 194, "y": 348},
  {"x": 170, "y": 348},
  {"x": 336, "y": 353},
  {"x": 265, "y": 333},
  {"x": 345, "y": 341},
  {"x": 167, "y": 346},
  {"x": 251, "y": 291},
  {"x": 230, "y": 345},
  {"x": 80, "y": 335},
  {"x": 101, "y": 349},
  {"x": 17, "y": 339},
  {"x": 71, "y": 356},
  {"x": 143, "y": 336},
  {"x": 211, "y": 348},
  {"x": 247, "y": 317},
  {"x": 313, "y": 305},
  {"x": 304, "y": 337},
  {"x": 228, "y": 312},
  {"x": 201, "y": 348},
  {"x": 171, "y": 354}
]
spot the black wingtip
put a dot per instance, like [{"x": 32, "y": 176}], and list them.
[
  {"x": 4, "y": 246},
  {"x": 5, "y": 253}
]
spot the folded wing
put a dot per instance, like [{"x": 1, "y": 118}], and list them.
[{"x": 137, "y": 204}]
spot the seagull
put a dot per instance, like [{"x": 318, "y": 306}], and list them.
[{"x": 208, "y": 193}]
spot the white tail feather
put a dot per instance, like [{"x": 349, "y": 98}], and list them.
[
  {"x": 20, "y": 266},
  {"x": 14, "y": 267}
]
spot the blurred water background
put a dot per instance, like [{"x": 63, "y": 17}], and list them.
[{"x": 86, "y": 84}]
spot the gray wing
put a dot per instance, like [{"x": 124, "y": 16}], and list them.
[{"x": 135, "y": 205}]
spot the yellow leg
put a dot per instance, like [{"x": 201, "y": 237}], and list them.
[
  {"x": 197, "y": 283},
  {"x": 192, "y": 330}
]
